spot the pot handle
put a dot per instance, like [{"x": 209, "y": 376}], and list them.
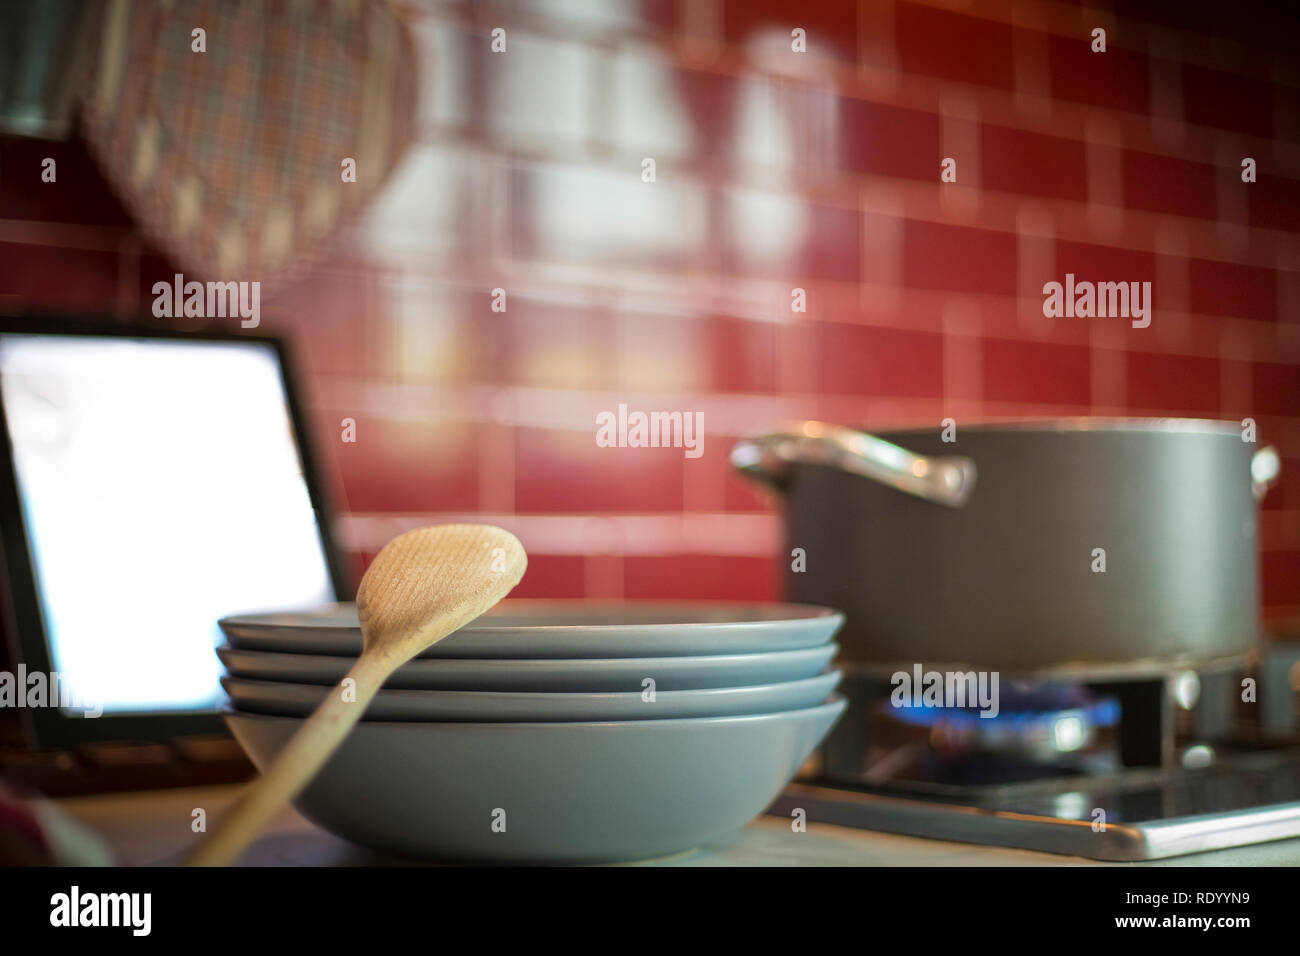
[
  {"x": 947, "y": 480},
  {"x": 1265, "y": 465}
]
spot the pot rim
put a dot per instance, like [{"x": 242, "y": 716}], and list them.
[{"x": 1085, "y": 423}]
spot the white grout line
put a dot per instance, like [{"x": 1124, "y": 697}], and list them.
[
  {"x": 661, "y": 535},
  {"x": 726, "y": 535}
]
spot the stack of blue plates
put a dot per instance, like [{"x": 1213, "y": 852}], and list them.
[{"x": 556, "y": 731}]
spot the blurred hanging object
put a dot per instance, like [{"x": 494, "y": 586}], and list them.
[
  {"x": 244, "y": 135},
  {"x": 43, "y": 49}
]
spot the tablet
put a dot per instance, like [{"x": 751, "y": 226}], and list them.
[{"x": 153, "y": 482}]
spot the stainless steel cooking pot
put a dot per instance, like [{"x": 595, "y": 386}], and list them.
[{"x": 1028, "y": 546}]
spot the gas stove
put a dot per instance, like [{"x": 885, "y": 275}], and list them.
[{"x": 1134, "y": 763}]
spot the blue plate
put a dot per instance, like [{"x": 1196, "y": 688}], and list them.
[
  {"x": 299, "y": 700},
  {"x": 548, "y": 792},
  {"x": 572, "y": 629},
  {"x": 544, "y": 674}
]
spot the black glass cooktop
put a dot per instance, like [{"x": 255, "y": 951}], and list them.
[{"x": 1137, "y": 814}]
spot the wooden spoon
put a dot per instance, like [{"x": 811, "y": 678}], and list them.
[{"x": 422, "y": 586}]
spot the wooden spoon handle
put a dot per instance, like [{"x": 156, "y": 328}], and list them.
[{"x": 295, "y": 765}]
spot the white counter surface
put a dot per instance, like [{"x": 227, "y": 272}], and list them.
[{"x": 153, "y": 828}]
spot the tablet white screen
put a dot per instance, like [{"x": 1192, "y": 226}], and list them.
[{"x": 162, "y": 488}]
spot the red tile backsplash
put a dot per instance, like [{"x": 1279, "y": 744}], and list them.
[
  {"x": 1120, "y": 82},
  {"x": 407, "y": 467},
  {"x": 861, "y": 360},
  {"x": 1036, "y": 372},
  {"x": 1018, "y": 161},
  {"x": 52, "y": 277},
  {"x": 958, "y": 258},
  {"x": 553, "y": 576},
  {"x": 775, "y": 171},
  {"x": 1276, "y": 203},
  {"x": 1165, "y": 184},
  {"x": 1280, "y": 573},
  {"x": 952, "y": 46},
  {"x": 1152, "y": 377},
  {"x": 1228, "y": 101},
  {"x": 831, "y": 28},
  {"x": 566, "y": 471},
  {"x": 701, "y": 576},
  {"x": 1234, "y": 289},
  {"x": 1277, "y": 388},
  {"x": 882, "y": 140},
  {"x": 743, "y": 355}
]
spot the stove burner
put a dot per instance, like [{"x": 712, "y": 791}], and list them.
[
  {"x": 1037, "y": 722},
  {"x": 1170, "y": 773},
  {"x": 1034, "y": 726}
]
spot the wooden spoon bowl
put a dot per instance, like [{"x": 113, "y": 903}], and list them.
[{"x": 422, "y": 586}]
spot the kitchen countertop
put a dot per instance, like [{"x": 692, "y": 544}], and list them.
[{"x": 152, "y": 828}]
